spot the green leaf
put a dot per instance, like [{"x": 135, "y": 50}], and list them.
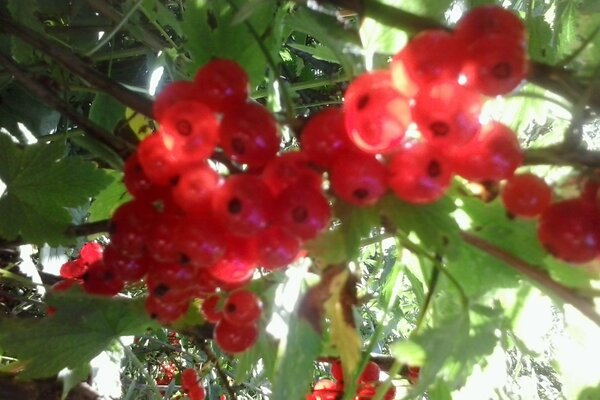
[
  {"x": 40, "y": 183},
  {"x": 24, "y": 12},
  {"x": 440, "y": 391},
  {"x": 409, "y": 353},
  {"x": 539, "y": 44},
  {"x": 106, "y": 111},
  {"x": 82, "y": 327},
  {"x": 155, "y": 10},
  {"x": 211, "y": 33},
  {"x": 328, "y": 248},
  {"x": 357, "y": 223},
  {"x": 319, "y": 52},
  {"x": 97, "y": 149},
  {"x": 295, "y": 367},
  {"x": 72, "y": 377},
  {"x": 107, "y": 201}
]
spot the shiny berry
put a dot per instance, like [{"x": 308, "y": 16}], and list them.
[
  {"x": 235, "y": 339},
  {"x": 526, "y": 195},
  {"x": 210, "y": 309},
  {"x": 159, "y": 158},
  {"x": 127, "y": 269},
  {"x": 173, "y": 93},
  {"x": 277, "y": 248},
  {"x": 359, "y": 179},
  {"x": 238, "y": 264},
  {"x": 201, "y": 243},
  {"x": 223, "y": 85},
  {"x": 431, "y": 55},
  {"x": 447, "y": 114},
  {"x": 102, "y": 280},
  {"x": 243, "y": 204},
  {"x": 242, "y": 307},
  {"x": 489, "y": 20},
  {"x": 570, "y": 230},
  {"x": 248, "y": 135},
  {"x": 289, "y": 169},
  {"x": 495, "y": 65},
  {"x": 492, "y": 156},
  {"x": 165, "y": 312},
  {"x": 376, "y": 115},
  {"x": 193, "y": 190},
  {"x": 419, "y": 173},
  {"x": 324, "y": 136},
  {"x": 370, "y": 373},
  {"x": 303, "y": 211}
]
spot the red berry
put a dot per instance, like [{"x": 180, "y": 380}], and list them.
[
  {"x": 223, "y": 85},
  {"x": 201, "y": 243},
  {"x": 248, "y": 135},
  {"x": 171, "y": 282},
  {"x": 489, "y": 20},
  {"x": 303, "y": 211},
  {"x": 193, "y": 190},
  {"x": 137, "y": 182},
  {"x": 570, "y": 230},
  {"x": 161, "y": 242},
  {"x": 159, "y": 159},
  {"x": 210, "y": 309},
  {"x": 127, "y": 269},
  {"x": 358, "y": 179},
  {"x": 237, "y": 265},
  {"x": 189, "y": 378},
  {"x": 192, "y": 129},
  {"x": 196, "y": 393},
  {"x": 165, "y": 312},
  {"x": 235, "y": 339},
  {"x": 73, "y": 269},
  {"x": 277, "y": 248},
  {"x": 243, "y": 204},
  {"x": 447, "y": 114},
  {"x": 102, "y": 280},
  {"x": 289, "y": 169},
  {"x": 173, "y": 93},
  {"x": 370, "y": 373},
  {"x": 495, "y": 65},
  {"x": 419, "y": 173},
  {"x": 526, "y": 195},
  {"x": 494, "y": 155},
  {"x": 324, "y": 136},
  {"x": 376, "y": 115},
  {"x": 337, "y": 371},
  {"x": 431, "y": 55},
  {"x": 90, "y": 253},
  {"x": 242, "y": 307}
]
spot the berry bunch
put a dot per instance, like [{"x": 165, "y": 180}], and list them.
[
  {"x": 368, "y": 382},
  {"x": 166, "y": 373},
  {"x": 191, "y": 386},
  {"x": 236, "y": 327}
]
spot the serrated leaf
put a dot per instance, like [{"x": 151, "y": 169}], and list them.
[
  {"x": 211, "y": 33},
  {"x": 295, "y": 367},
  {"x": 40, "y": 182},
  {"x": 82, "y": 327},
  {"x": 111, "y": 197}
]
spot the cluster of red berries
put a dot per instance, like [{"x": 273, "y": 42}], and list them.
[
  {"x": 191, "y": 386},
  {"x": 166, "y": 373},
  {"x": 568, "y": 229},
  {"x": 368, "y": 382},
  {"x": 236, "y": 318},
  {"x": 424, "y": 113}
]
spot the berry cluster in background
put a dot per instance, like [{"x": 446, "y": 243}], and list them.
[{"x": 368, "y": 383}]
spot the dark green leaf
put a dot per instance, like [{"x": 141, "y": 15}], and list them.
[
  {"x": 106, "y": 111},
  {"x": 156, "y": 10},
  {"x": 82, "y": 327},
  {"x": 357, "y": 223},
  {"x": 40, "y": 183},
  {"x": 109, "y": 199},
  {"x": 17, "y": 105},
  {"x": 24, "y": 12}
]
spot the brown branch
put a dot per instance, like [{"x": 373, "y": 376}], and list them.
[
  {"x": 49, "y": 97},
  {"x": 86, "y": 229},
  {"x": 222, "y": 375},
  {"x": 537, "y": 276},
  {"x": 76, "y": 65},
  {"x": 560, "y": 155}
]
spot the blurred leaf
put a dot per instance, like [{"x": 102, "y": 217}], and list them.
[
  {"x": 319, "y": 52},
  {"x": 97, "y": 149},
  {"x": 357, "y": 223},
  {"x": 409, "y": 353},
  {"x": 567, "y": 274},
  {"x": 540, "y": 40},
  {"x": 82, "y": 327},
  {"x": 40, "y": 183},
  {"x": 141, "y": 125},
  {"x": 155, "y": 10},
  {"x": 328, "y": 248},
  {"x": 25, "y": 13},
  {"x": 295, "y": 366},
  {"x": 106, "y": 111},
  {"x": 338, "y": 309},
  {"x": 112, "y": 196},
  {"x": 439, "y": 391}
]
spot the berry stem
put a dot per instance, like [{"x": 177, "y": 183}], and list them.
[
  {"x": 537, "y": 276},
  {"x": 219, "y": 369}
]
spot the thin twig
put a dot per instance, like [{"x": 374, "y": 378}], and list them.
[
  {"x": 537, "y": 276},
  {"x": 73, "y": 63},
  {"x": 222, "y": 375},
  {"x": 45, "y": 94}
]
